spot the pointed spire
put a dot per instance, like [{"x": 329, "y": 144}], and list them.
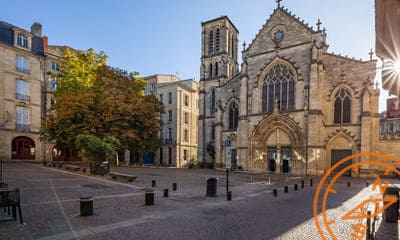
[{"x": 244, "y": 45}]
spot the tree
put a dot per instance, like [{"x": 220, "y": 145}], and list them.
[
  {"x": 95, "y": 149},
  {"x": 97, "y": 100}
]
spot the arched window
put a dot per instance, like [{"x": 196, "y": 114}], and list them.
[
  {"x": 216, "y": 70},
  {"x": 213, "y": 131},
  {"x": 279, "y": 84},
  {"x": 210, "y": 71},
  {"x": 233, "y": 47},
  {"x": 211, "y": 43},
  {"x": 212, "y": 102},
  {"x": 217, "y": 41},
  {"x": 342, "y": 107},
  {"x": 233, "y": 116}
]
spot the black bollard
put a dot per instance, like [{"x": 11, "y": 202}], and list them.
[
  {"x": 84, "y": 170},
  {"x": 153, "y": 183},
  {"x": 229, "y": 196},
  {"x": 311, "y": 182},
  {"x": 174, "y": 186},
  {"x": 44, "y": 163},
  {"x": 86, "y": 206},
  {"x": 367, "y": 183},
  {"x": 149, "y": 198},
  {"x": 295, "y": 187},
  {"x": 286, "y": 189},
  {"x": 166, "y": 192},
  {"x": 302, "y": 183},
  {"x": 348, "y": 184},
  {"x": 274, "y": 192}
]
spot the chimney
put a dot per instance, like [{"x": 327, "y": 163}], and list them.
[
  {"x": 45, "y": 43},
  {"x": 36, "y": 29}
]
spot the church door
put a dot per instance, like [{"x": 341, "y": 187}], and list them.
[
  {"x": 271, "y": 159},
  {"x": 338, "y": 155},
  {"x": 286, "y": 158}
]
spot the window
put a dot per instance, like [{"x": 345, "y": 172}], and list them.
[
  {"x": 186, "y": 118},
  {"x": 382, "y": 128},
  {"x": 279, "y": 84},
  {"x": 169, "y": 133},
  {"x": 185, "y": 154},
  {"x": 216, "y": 70},
  {"x": 52, "y": 101},
  {"x": 53, "y": 85},
  {"x": 54, "y": 66},
  {"x": 233, "y": 47},
  {"x": 169, "y": 98},
  {"x": 22, "y": 64},
  {"x": 210, "y": 71},
  {"x": 161, "y": 98},
  {"x": 186, "y": 101},
  {"x": 212, "y": 102},
  {"x": 390, "y": 127},
  {"x": 22, "y": 40},
  {"x": 342, "y": 107},
  {"x": 213, "y": 132},
  {"x": 398, "y": 126},
  {"x": 217, "y": 41},
  {"x": 233, "y": 116},
  {"x": 22, "y": 90},
  {"x": 22, "y": 116},
  {"x": 170, "y": 115},
  {"x": 186, "y": 135},
  {"x": 210, "y": 43}
]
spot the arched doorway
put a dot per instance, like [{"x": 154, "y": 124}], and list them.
[
  {"x": 277, "y": 145},
  {"x": 23, "y": 148}
]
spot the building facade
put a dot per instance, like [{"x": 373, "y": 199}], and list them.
[
  {"x": 293, "y": 107},
  {"x": 179, "y": 133},
  {"x": 25, "y": 91}
]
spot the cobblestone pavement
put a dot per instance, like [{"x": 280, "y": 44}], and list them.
[{"x": 50, "y": 206}]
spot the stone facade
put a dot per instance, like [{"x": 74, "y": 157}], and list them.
[
  {"x": 293, "y": 107},
  {"x": 25, "y": 92},
  {"x": 179, "y": 132}
]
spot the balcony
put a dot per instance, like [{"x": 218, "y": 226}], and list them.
[
  {"x": 22, "y": 70},
  {"x": 20, "y": 96},
  {"x": 168, "y": 141},
  {"x": 22, "y": 127}
]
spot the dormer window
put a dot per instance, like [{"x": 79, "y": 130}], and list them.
[{"x": 22, "y": 40}]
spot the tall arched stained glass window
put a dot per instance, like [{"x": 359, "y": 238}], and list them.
[
  {"x": 342, "y": 107},
  {"x": 279, "y": 84}
]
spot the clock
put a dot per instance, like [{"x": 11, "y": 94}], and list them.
[{"x": 278, "y": 36}]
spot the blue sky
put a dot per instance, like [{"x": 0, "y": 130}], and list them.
[{"x": 163, "y": 36}]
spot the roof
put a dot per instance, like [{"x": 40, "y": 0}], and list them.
[
  {"x": 7, "y": 37},
  {"x": 224, "y": 17},
  {"x": 287, "y": 13}
]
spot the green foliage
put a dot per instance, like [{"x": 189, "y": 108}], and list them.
[
  {"x": 95, "y": 149},
  {"x": 101, "y": 101},
  {"x": 78, "y": 70},
  {"x": 210, "y": 150},
  {"x": 195, "y": 160}
]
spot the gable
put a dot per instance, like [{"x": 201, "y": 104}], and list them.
[{"x": 294, "y": 32}]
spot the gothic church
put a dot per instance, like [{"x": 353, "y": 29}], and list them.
[{"x": 292, "y": 107}]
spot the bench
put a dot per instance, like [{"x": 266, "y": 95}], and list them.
[
  {"x": 129, "y": 177},
  {"x": 11, "y": 198},
  {"x": 72, "y": 167}
]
